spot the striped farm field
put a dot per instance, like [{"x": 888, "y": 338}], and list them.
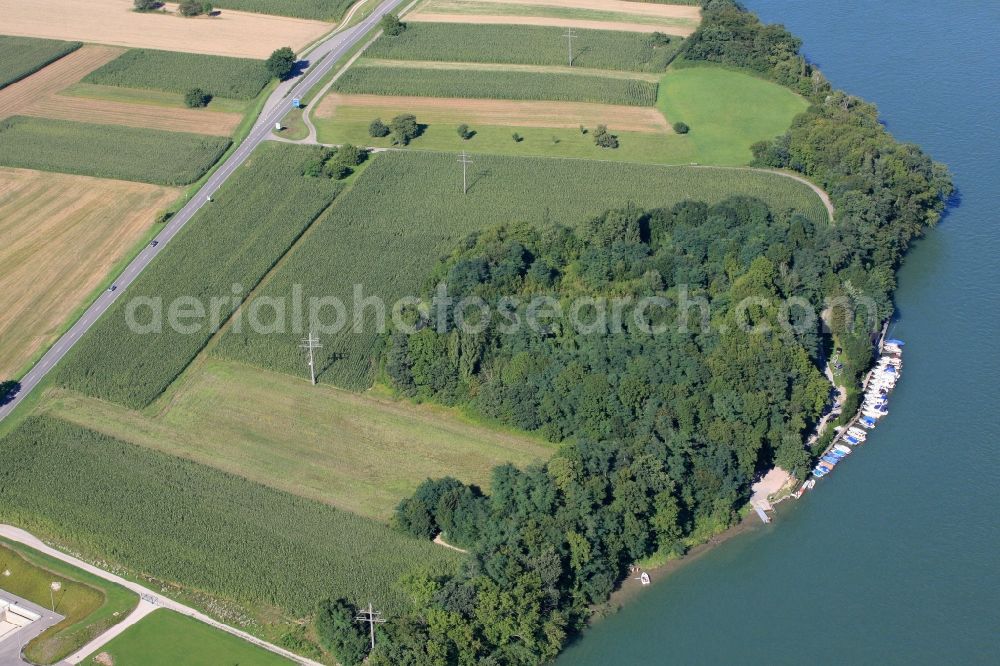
[
  {"x": 440, "y": 82},
  {"x": 39, "y": 95},
  {"x": 611, "y": 15},
  {"x": 108, "y": 151},
  {"x": 23, "y": 56},
  {"x": 526, "y": 45},
  {"x": 337, "y": 107},
  {"x": 62, "y": 234},
  {"x": 232, "y": 33},
  {"x": 21, "y": 96}
]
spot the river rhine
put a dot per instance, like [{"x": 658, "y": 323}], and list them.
[{"x": 895, "y": 557}]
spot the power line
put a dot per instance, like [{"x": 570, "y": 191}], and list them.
[
  {"x": 372, "y": 617},
  {"x": 465, "y": 161},
  {"x": 569, "y": 36},
  {"x": 311, "y": 343}
]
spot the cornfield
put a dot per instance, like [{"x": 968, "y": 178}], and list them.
[
  {"x": 387, "y": 80},
  {"x": 206, "y": 530},
  {"x": 23, "y": 56},
  {"x": 320, "y": 10},
  {"x": 235, "y": 78},
  {"x": 253, "y": 221},
  {"x": 526, "y": 45},
  {"x": 108, "y": 151}
]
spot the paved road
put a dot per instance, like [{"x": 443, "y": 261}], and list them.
[
  {"x": 322, "y": 60},
  {"x": 148, "y": 598}
]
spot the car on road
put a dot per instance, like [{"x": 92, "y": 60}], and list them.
[
  {"x": 112, "y": 288},
  {"x": 154, "y": 243}
]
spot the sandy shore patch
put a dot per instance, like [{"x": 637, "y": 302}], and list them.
[
  {"x": 502, "y": 112},
  {"x": 112, "y": 22}
]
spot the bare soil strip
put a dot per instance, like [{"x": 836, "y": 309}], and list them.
[
  {"x": 493, "y": 67},
  {"x": 503, "y": 112},
  {"x": 112, "y": 22},
  {"x": 638, "y": 8},
  {"x": 38, "y": 96},
  {"x": 59, "y": 237},
  {"x": 682, "y": 31},
  {"x": 17, "y": 98}
]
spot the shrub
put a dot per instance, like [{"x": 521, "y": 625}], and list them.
[
  {"x": 378, "y": 129},
  {"x": 196, "y": 98},
  {"x": 681, "y": 128},
  {"x": 391, "y": 25},
  {"x": 517, "y": 137},
  {"x": 146, "y": 5},
  {"x": 465, "y": 132},
  {"x": 163, "y": 216},
  {"x": 8, "y": 389},
  {"x": 604, "y": 138},
  {"x": 404, "y": 128},
  {"x": 281, "y": 63},
  {"x": 194, "y": 8}
]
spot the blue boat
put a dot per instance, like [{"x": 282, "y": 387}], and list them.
[
  {"x": 851, "y": 440},
  {"x": 839, "y": 455},
  {"x": 894, "y": 341},
  {"x": 830, "y": 459},
  {"x": 819, "y": 471}
]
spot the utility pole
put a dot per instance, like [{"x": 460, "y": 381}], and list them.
[
  {"x": 311, "y": 343},
  {"x": 569, "y": 36},
  {"x": 372, "y": 617},
  {"x": 465, "y": 161}
]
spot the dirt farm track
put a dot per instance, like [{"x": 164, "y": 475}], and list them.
[{"x": 112, "y": 22}]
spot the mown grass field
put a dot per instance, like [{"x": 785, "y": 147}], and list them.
[
  {"x": 166, "y": 638},
  {"x": 62, "y": 235},
  {"x": 527, "y": 45},
  {"x": 727, "y": 111},
  {"x": 320, "y": 10},
  {"x": 108, "y": 151},
  {"x": 349, "y": 124},
  {"x": 23, "y": 56},
  {"x": 421, "y": 213},
  {"x": 254, "y": 219},
  {"x": 167, "y": 100},
  {"x": 170, "y": 71},
  {"x": 198, "y": 527},
  {"x": 360, "y": 453},
  {"x": 379, "y": 79},
  {"x": 88, "y": 604}
]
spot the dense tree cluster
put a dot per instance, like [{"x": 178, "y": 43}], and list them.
[
  {"x": 662, "y": 433},
  {"x": 281, "y": 63},
  {"x": 336, "y": 163}
]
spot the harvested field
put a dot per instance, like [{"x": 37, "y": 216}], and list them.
[
  {"x": 112, "y": 22},
  {"x": 501, "y": 112},
  {"x": 584, "y": 24},
  {"x": 17, "y": 98},
  {"x": 638, "y": 8},
  {"x": 23, "y": 56},
  {"x": 37, "y": 96},
  {"x": 59, "y": 237}
]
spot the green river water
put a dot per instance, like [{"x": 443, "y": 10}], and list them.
[{"x": 895, "y": 557}]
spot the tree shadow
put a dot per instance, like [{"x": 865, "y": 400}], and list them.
[
  {"x": 579, "y": 53},
  {"x": 8, "y": 391},
  {"x": 298, "y": 68}
]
